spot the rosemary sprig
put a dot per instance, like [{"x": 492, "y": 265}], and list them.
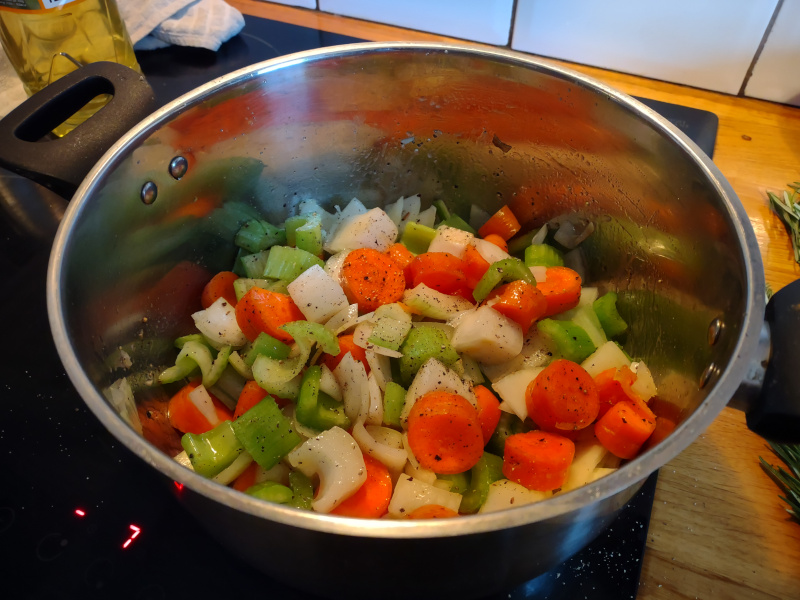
[
  {"x": 788, "y": 481},
  {"x": 788, "y": 209}
]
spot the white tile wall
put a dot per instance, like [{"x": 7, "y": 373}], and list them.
[
  {"x": 776, "y": 75},
  {"x": 704, "y": 43},
  {"x": 487, "y": 21},
  {"x": 300, "y": 3}
]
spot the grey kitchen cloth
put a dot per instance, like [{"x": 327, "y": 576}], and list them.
[{"x": 155, "y": 24}]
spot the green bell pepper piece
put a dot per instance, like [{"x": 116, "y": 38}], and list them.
[
  {"x": 211, "y": 452},
  {"x": 265, "y": 433}
]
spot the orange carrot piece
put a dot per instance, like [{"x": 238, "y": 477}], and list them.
[
  {"x": 440, "y": 271},
  {"x": 247, "y": 479},
  {"x": 186, "y": 417},
  {"x": 614, "y": 385},
  {"x": 561, "y": 289},
  {"x": 495, "y": 239},
  {"x": 503, "y": 223},
  {"x": 475, "y": 266},
  {"x": 371, "y": 501},
  {"x": 432, "y": 511},
  {"x": 444, "y": 433},
  {"x": 251, "y": 394},
  {"x": 400, "y": 254},
  {"x": 220, "y": 286},
  {"x": 346, "y": 344},
  {"x": 371, "y": 279},
  {"x": 521, "y": 302},
  {"x": 625, "y": 427},
  {"x": 538, "y": 460},
  {"x": 261, "y": 310},
  {"x": 488, "y": 411},
  {"x": 562, "y": 397}
]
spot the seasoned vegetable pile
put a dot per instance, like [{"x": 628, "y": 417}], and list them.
[{"x": 406, "y": 363}]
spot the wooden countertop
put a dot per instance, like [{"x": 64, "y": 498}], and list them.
[{"x": 718, "y": 529}]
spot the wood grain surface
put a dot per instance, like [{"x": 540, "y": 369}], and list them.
[{"x": 718, "y": 529}]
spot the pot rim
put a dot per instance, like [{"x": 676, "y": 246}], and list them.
[{"x": 631, "y": 474}]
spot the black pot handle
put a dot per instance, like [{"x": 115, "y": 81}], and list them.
[
  {"x": 775, "y": 415},
  {"x": 62, "y": 163}
]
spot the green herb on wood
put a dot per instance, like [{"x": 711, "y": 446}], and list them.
[
  {"x": 787, "y": 481},
  {"x": 788, "y": 209}
]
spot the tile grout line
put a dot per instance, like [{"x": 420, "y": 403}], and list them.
[{"x": 760, "y": 48}]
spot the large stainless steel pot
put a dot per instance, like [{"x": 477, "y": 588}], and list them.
[{"x": 488, "y": 127}]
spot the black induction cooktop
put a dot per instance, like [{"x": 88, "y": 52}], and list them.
[{"x": 80, "y": 517}]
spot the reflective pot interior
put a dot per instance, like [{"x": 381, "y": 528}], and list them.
[{"x": 376, "y": 122}]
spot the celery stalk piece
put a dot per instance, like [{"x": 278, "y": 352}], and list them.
[
  {"x": 433, "y": 303},
  {"x": 424, "y": 342},
  {"x": 308, "y": 236},
  {"x": 605, "y": 307},
  {"x": 506, "y": 270},
  {"x": 242, "y": 285},
  {"x": 254, "y": 264},
  {"x": 256, "y": 235},
  {"x": 292, "y": 224},
  {"x": 509, "y": 425},
  {"x": 459, "y": 483},
  {"x": 571, "y": 340},
  {"x": 268, "y": 346},
  {"x": 458, "y": 223},
  {"x": 265, "y": 433},
  {"x": 487, "y": 470},
  {"x": 441, "y": 209},
  {"x": 542, "y": 255},
  {"x": 192, "y": 337},
  {"x": 417, "y": 237},
  {"x": 315, "y": 409},
  {"x": 287, "y": 263},
  {"x": 211, "y": 452},
  {"x": 306, "y": 333},
  {"x": 271, "y": 491},
  {"x": 302, "y": 490},
  {"x": 196, "y": 354},
  {"x": 394, "y": 398}
]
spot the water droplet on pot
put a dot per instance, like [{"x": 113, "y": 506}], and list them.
[{"x": 178, "y": 167}]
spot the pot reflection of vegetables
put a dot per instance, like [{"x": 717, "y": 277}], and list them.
[{"x": 410, "y": 368}]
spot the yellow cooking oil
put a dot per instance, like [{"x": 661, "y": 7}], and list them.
[{"x": 46, "y": 39}]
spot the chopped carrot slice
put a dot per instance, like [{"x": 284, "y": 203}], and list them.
[
  {"x": 346, "y": 344},
  {"x": 261, "y": 310},
  {"x": 488, "y": 411},
  {"x": 444, "y": 433},
  {"x": 538, "y": 460},
  {"x": 440, "y": 271},
  {"x": 220, "y": 286},
  {"x": 625, "y": 427},
  {"x": 562, "y": 397},
  {"x": 521, "y": 302},
  {"x": 475, "y": 266},
  {"x": 251, "y": 394},
  {"x": 495, "y": 239},
  {"x": 561, "y": 289},
  {"x": 372, "y": 279},
  {"x": 247, "y": 479},
  {"x": 503, "y": 223},
  {"x": 614, "y": 385},
  {"x": 432, "y": 511},
  {"x": 371, "y": 501},
  {"x": 186, "y": 417}
]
